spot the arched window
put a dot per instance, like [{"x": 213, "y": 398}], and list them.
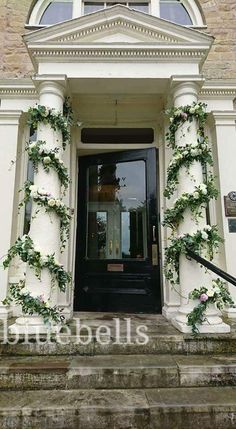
[
  {"x": 57, "y": 11},
  {"x": 175, "y": 11},
  {"x": 48, "y": 12}
]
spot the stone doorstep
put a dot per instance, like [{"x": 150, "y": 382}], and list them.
[
  {"x": 100, "y": 409},
  {"x": 118, "y": 372}
]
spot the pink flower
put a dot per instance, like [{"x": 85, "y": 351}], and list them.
[
  {"x": 203, "y": 297},
  {"x": 184, "y": 115}
]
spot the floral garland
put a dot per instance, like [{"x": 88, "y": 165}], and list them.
[
  {"x": 218, "y": 295},
  {"x": 57, "y": 120},
  {"x": 24, "y": 247},
  {"x": 186, "y": 113},
  {"x": 31, "y": 305},
  {"x": 195, "y": 201},
  {"x": 205, "y": 240},
  {"x": 185, "y": 156},
  {"x": 49, "y": 159},
  {"x": 51, "y": 204}
]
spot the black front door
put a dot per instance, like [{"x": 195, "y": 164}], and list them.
[{"x": 117, "y": 263}]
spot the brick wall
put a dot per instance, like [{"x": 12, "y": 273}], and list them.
[{"x": 220, "y": 17}]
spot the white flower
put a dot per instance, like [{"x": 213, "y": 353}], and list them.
[
  {"x": 51, "y": 202},
  {"x": 43, "y": 260},
  {"x": 56, "y": 156},
  {"x": 46, "y": 160},
  {"x": 32, "y": 145},
  {"x": 33, "y": 188},
  {"x": 196, "y": 195},
  {"x": 184, "y": 197},
  {"x": 60, "y": 161},
  {"x": 171, "y": 120},
  {"x": 185, "y": 152},
  {"x": 42, "y": 191},
  {"x": 203, "y": 188},
  {"x": 204, "y": 235},
  {"x": 24, "y": 237},
  {"x": 192, "y": 110},
  {"x": 194, "y": 145},
  {"x": 210, "y": 293},
  {"x": 196, "y": 106},
  {"x": 34, "y": 194},
  {"x": 37, "y": 249},
  {"x": 59, "y": 203},
  {"x": 194, "y": 152},
  {"x": 46, "y": 112},
  {"x": 207, "y": 227}
]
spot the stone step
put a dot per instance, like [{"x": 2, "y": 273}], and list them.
[
  {"x": 158, "y": 344},
  {"x": 137, "y": 409},
  {"x": 163, "y": 338},
  {"x": 116, "y": 372}
]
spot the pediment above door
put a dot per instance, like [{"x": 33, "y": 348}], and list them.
[{"x": 116, "y": 32}]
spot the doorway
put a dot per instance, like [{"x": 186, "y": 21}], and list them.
[{"x": 117, "y": 257}]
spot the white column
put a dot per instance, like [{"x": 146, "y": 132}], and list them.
[
  {"x": 225, "y": 146},
  {"x": 190, "y": 272},
  {"x": 9, "y": 127},
  {"x": 45, "y": 227}
]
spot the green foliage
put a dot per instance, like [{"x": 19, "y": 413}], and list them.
[
  {"x": 32, "y": 305},
  {"x": 184, "y": 156},
  {"x": 51, "y": 205},
  {"x": 46, "y": 115},
  {"x": 25, "y": 249},
  {"x": 218, "y": 294},
  {"x": 39, "y": 154},
  {"x": 180, "y": 115},
  {"x": 206, "y": 239},
  {"x": 195, "y": 201}
]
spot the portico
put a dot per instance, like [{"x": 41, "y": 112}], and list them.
[{"x": 121, "y": 68}]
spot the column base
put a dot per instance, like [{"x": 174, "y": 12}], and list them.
[
  {"x": 31, "y": 326},
  {"x": 169, "y": 311},
  {"x": 230, "y": 313},
  {"x": 213, "y": 324},
  {"x": 221, "y": 328},
  {"x": 5, "y": 312}
]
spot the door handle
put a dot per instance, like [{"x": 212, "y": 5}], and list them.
[
  {"x": 154, "y": 238},
  {"x": 110, "y": 247},
  {"x": 117, "y": 247}
]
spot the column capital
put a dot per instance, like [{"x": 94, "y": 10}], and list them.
[
  {"x": 224, "y": 118},
  {"x": 10, "y": 117},
  {"x": 50, "y": 84}
]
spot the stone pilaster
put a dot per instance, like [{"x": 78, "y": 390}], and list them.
[{"x": 9, "y": 130}]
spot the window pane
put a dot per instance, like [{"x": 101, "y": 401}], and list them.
[
  {"x": 56, "y": 12},
  {"x": 90, "y": 7},
  {"x": 113, "y": 4},
  {"x": 117, "y": 211},
  {"x": 175, "y": 12},
  {"x": 142, "y": 7}
]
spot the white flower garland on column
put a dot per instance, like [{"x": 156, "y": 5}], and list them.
[
  {"x": 24, "y": 246},
  {"x": 206, "y": 239}
]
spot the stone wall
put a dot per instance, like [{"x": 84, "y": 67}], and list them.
[{"x": 220, "y": 17}]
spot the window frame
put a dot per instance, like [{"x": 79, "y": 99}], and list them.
[{"x": 78, "y": 10}]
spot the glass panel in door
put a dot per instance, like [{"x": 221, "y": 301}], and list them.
[{"x": 117, "y": 211}]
